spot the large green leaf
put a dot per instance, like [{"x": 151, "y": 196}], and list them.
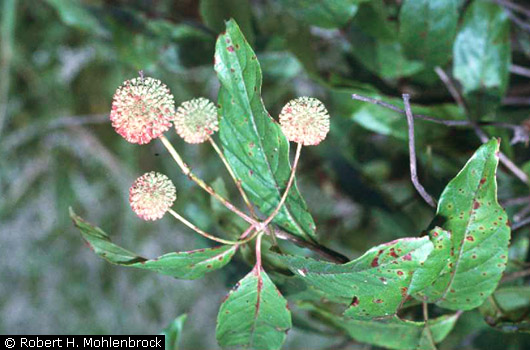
[
  {"x": 253, "y": 143},
  {"x": 482, "y": 55},
  {"x": 185, "y": 265},
  {"x": 480, "y": 234},
  {"x": 375, "y": 45},
  {"x": 254, "y": 315},
  {"x": 427, "y": 29},
  {"x": 395, "y": 333},
  {"x": 374, "y": 285},
  {"x": 324, "y": 13},
  {"x": 173, "y": 332}
]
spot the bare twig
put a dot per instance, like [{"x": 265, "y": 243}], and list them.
[
  {"x": 451, "y": 88},
  {"x": 522, "y": 223},
  {"x": 515, "y": 170},
  {"x": 516, "y": 201},
  {"x": 519, "y": 70},
  {"x": 515, "y": 275},
  {"x": 521, "y": 175},
  {"x": 521, "y": 214},
  {"x": 446, "y": 122},
  {"x": 321, "y": 250},
  {"x": 513, "y": 6},
  {"x": 516, "y": 101},
  {"x": 412, "y": 153}
]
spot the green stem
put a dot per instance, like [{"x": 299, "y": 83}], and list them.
[
  {"x": 187, "y": 171},
  {"x": 236, "y": 180},
  {"x": 289, "y": 185},
  {"x": 207, "y": 235}
]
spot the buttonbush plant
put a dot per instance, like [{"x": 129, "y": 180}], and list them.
[{"x": 382, "y": 297}]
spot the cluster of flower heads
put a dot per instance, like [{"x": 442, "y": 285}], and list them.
[
  {"x": 143, "y": 109},
  {"x": 152, "y": 195}
]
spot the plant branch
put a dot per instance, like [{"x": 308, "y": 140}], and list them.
[
  {"x": 258, "y": 252},
  {"x": 513, "y": 6},
  {"x": 427, "y": 327},
  {"x": 233, "y": 176},
  {"x": 321, "y": 250},
  {"x": 289, "y": 185},
  {"x": 514, "y": 169},
  {"x": 515, "y": 275},
  {"x": 206, "y": 234},
  {"x": 187, "y": 171},
  {"x": 520, "y": 224},
  {"x": 446, "y": 122},
  {"x": 412, "y": 153},
  {"x": 519, "y": 70}
]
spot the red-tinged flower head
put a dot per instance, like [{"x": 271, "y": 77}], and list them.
[
  {"x": 142, "y": 110},
  {"x": 305, "y": 120},
  {"x": 151, "y": 195},
  {"x": 196, "y": 120}
]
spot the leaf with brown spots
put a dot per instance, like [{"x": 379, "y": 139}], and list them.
[
  {"x": 392, "y": 333},
  {"x": 184, "y": 265},
  {"x": 254, "y": 315},
  {"x": 469, "y": 210},
  {"x": 253, "y": 142},
  {"x": 374, "y": 285}
]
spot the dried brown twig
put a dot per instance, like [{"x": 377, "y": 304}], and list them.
[{"x": 412, "y": 154}]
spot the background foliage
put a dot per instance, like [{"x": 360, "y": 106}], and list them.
[{"x": 61, "y": 61}]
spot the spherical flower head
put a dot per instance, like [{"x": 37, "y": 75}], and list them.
[
  {"x": 305, "y": 120},
  {"x": 196, "y": 120},
  {"x": 151, "y": 195},
  {"x": 142, "y": 110}
]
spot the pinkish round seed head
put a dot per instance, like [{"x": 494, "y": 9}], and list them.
[
  {"x": 196, "y": 120},
  {"x": 305, "y": 120},
  {"x": 142, "y": 110},
  {"x": 151, "y": 195}
]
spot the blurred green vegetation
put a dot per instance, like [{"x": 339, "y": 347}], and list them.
[{"x": 61, "y": 61}]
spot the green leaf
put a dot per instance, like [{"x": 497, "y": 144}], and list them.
[
  {"x": 76, "y": 15},
  {"x": 427, "y": 29},
  {"x": 173, "y": 333},
  {"x": 480, "y": 233},
  {"x": 214, "y": 14},
  {"x": 395, "y": 333},
  {"x": 253, "y": 143},
  {"x": 324, "y": 13},
  {"x": 482, "y": 55},
  {"x": 254, "y": 315},
  {"x": 185, "y": 265},
  {"x": 374, "y": 285},
  {"x": 374, "y": 43},
  {"x": 436, "y": 263},
  {"x": 507, "y": 309}
]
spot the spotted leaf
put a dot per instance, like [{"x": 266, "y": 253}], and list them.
[
  {"x": 374, "y": 285},
  {"x": 185, "y": 265},
  {"x": 254, "y": 315},
  {"x": 480, "y": 233}
]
